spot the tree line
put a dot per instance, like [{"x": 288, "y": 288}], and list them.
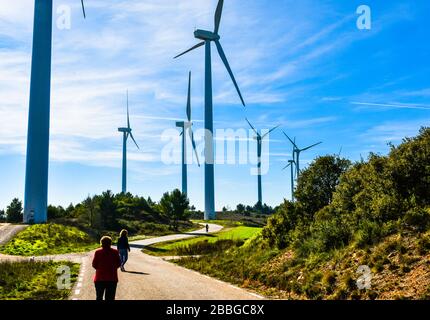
[{"x": 341, "y": 203}]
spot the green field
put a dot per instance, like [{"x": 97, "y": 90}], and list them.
[
  {"x": 34, "y": 280},
  {"x": 224, "y": 223},
  {"x": 47, "y": 239},
  {"x": 235, "y": 235}
]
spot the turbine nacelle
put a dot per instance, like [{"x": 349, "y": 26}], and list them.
[
  {"x": 184, "y": 124},
  {"x": 124, "y": 130},
  {"x": 206, "y": 35}
]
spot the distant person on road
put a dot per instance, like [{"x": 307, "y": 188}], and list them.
[
  {"x": 123, "y": 248},
  {"x": 106, "y": 262},
  {"x": 207, "y": 228}
]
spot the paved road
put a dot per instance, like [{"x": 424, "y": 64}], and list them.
[
  {"x": 213, "y": 228},
  {"x": 7, "y": 231},
  {"x": 152, "y": 278}
]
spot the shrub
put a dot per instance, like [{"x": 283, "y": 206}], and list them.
[
  {"x": 205, "y": 247},
  {"x": 33, "y": 280},
  {"x": 49, "y": 239},
  {"x": 418, "y": 218},
  {"x": 369, "y": 233}
]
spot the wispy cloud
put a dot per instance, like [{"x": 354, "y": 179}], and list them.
[{"x": 393, "y": 105}]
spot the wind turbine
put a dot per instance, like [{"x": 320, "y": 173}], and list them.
[
  {"x": 187, "y": 126},
  {"x": 37, "y": 159},
  {"x": 260, "y": 139},
  {"x": 291, "y": 164},
  {"x": 126, "y": 134},
  {"x": 207, "y": 38},
  {"x": 297, "y": 151}
]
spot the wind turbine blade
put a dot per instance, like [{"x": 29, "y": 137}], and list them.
[
  {"x": 252, "y": 127},
  {"x": 128, "y": 114},
  {"x": 270, "y": 131},
  {"x": 83, "y": 9},
  {"x": 218, "y": 14},
  {"x": 131, "y": 135},
  {"x": 293, "y": 142},
  {"x": 194, "y": 145},
  {"x": 287, "y": 166},
  {"x": 189, "y": 99},
  {"x": 224, "y": 59},
  {"x": 310, "y": 147},
  {"x": 195, "y": 47}
]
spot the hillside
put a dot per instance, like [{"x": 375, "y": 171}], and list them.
[{"x": 372, "y": 214}]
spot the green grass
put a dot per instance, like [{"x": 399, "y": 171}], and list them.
[
  {"x": 47, "y": 239},
  {"x": 224, "y": 223},
  {"x": 234, "y": 235},
  {"x": 34, "y": 280},
  {"x": 140, "y": 228}
]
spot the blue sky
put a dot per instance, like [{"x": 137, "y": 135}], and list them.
[{"x": 301, "y": 64}]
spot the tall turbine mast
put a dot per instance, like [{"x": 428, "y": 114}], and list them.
[
  {"x": 207, "y": 38},
  {"x": 37, "y": 158},
  {"x": 291, "y": 164},
  {"x": 187, "y": 127},
  {"x": 297, "y": 151},
  {"x": 127, "y": 132},
  {"x": 260, "y": 139}
]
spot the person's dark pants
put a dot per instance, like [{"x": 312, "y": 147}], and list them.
[
  {"x": 106, "y": 289},
  {"x": 123, "y": 256}
]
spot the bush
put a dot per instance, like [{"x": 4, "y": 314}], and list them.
[
  {"x": 206, "y": 247},
  {"x": 418, "y": 218},
  {"x": 330, "y": 234},
  {"x": 49, "y": 239},
  {"x": 423, "y": 244},
  {"x": 368, "y": 233},
  {"x": 279, "y": 225},
  {"x": 33, "y": 280}
]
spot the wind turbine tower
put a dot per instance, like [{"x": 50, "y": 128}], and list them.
[
  {"x": 37, "y": 158},
  {"x": 207, "y": 38},
  {"x": 127, "y": 132},
  {"x": 260, "y": 139},
  {"x": 297, "y": 152},
  {"x": 186, "y": 127},
  {"x": 291, "y": 164}
]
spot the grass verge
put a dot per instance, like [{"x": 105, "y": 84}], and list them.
[
  {"x": 34, "y": 280},
  {"x": 204, "y": 244},
  {"x": 399, "y": 267},
  {"x": 47, "y": 239}
]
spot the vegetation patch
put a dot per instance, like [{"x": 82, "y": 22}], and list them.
[
  {"x": 47, "y": 239},
  {"x": 34, "y": 280},
  {"x": 373, "y": 213},
  {"x": 202, "y": 245}
]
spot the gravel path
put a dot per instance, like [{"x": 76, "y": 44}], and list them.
[
  {"x": 7, "y": 231},
  {"x": 153, "y": 278},
  {"x": 149, "y": 277}
]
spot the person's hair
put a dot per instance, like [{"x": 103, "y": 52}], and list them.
[
  {"x": 106, "y": 242},
  {"x": 123, "y": 233}
]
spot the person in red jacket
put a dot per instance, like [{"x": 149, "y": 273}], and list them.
[{"x": 106, "y": 262}]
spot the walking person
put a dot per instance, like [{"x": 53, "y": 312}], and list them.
[
  {"x": 106, "y": 261},
  {"x": 123, "y": 248},
  {"x": 207, "y": 228}
]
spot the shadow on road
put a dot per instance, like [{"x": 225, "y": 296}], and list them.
[
  {"x": 200, "y": 234},
  {"x": 137, "y": 246},
  {"x": 137, "y": 272}
]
